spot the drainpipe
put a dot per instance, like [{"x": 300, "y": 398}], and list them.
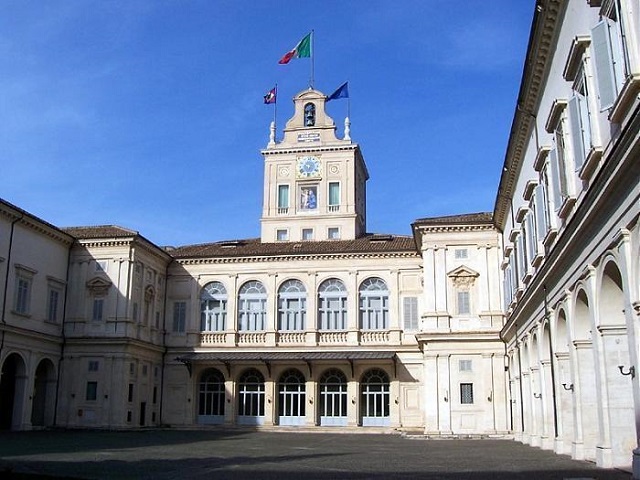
[
  {"x": 6, "y": 281},
  {"x": 164, "y": 339},
  {"x": 64, "y": 338},
  {"x": 520, "y": 382},
  {"x": 553, "y": 370}
]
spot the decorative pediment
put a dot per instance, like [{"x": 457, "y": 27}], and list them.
[
  {"x": 98, "y": 286},
  {"x": 463, "y": 276}
]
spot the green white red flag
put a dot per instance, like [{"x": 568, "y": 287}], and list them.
[{"x": 301, "y": 50}]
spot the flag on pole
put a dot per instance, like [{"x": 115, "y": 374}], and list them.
[
  {"x": 270, "y": 96},
  {"x": 341, "y": 92},
  {"x": 301, "y": 50}
]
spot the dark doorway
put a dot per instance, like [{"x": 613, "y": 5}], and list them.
[
  {"x": 12, "y": 368},
  {"x": 143, "y": 413}
]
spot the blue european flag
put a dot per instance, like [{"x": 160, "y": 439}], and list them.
[{"x": 341, "y": 92}]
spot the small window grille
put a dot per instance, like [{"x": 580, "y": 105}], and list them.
[
  {"x": 466, "y": 393},
  {"x": 94, "y": 365}
]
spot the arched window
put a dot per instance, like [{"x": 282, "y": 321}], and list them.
[
  {"x": 211, "y": 395},
  {"x": 332, "y": 305},
  {"x": 252, "y": 307},
  {"x": 374, "y": 304},
  {"x": 309, "y": 115},
  {"x": 333, "y": 398},
  {"x": 213, "y": 307},
  {"x": 251, "y": 398},
  {"x": 374, "y": 398},
  {"x": 292, "y": 305},
  {"x": 291, "y": 398}
]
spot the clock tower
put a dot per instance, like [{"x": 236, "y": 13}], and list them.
[{"x": 314, "y": 182}]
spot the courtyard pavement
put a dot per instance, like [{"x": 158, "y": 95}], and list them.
[{"x": 240, "y": 454}]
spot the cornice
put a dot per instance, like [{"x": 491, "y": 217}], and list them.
[
  {"x": 37, "y": 225},
  {"x": 292, "y": 258},
  {"x": 307, "y": 149},
  {"x": 125, "y": 242},
  {"x": 456, "y": 228},
  {"x": 546, "y": 25}
]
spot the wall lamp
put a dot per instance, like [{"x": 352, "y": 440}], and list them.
[{"x": 568, "y": 387}]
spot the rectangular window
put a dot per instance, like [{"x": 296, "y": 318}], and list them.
[
  {"x": 334, "y": 196},
  {"x": 92, "y": 391},
  {"x": 132, "y": 368},
  {"x": 144, "y": 370},
  {"x": 94, "y": 365},
  {"x": 466, "y": 393},
  {"x": 463, "y": 302},
  {"x": 410, "y": 307},
  {"x": 282, "y": 235},
  {"x": 101, "y": 265},
  {"x": 465, "y": 365},
  {"x": 333, "y": 233},
  {"x": 98, "y": 307},
  {"x": 135, "y": 311},
  {"x": 283, "y": 199},
  {"x": 461, "y": 253},
  {"x": 53, "y": 305},
  {"x": 179, "y": 316},
  {"x": 155, "y": 394},
  {"x": 129, "y": 416},
  {"x": 157, "y": 319},
  {"x": 130, "y": 393},
  {"x": 23, "y": 294},
  {"x": 307, "y": 234}
]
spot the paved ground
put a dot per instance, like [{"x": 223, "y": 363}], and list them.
[{"x": 239, "y": 454}]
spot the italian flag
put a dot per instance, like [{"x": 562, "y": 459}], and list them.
[{"x": 301, "y": 50}]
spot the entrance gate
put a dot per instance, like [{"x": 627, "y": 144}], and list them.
[
  {"x": 291, "y": 398},
  {"x": 333, "y": 398},
  {"x": 211, "y": 395},
  {"x": 251, "y": 398},
  {"x": 374, "y": 400}
]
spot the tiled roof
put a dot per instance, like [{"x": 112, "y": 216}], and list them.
[
  {"x": 469, "y": 218},
  {"x": 100, "y": 231},
  {"x": 369, "y": 243},
  {"x": 303, "y": 356}
]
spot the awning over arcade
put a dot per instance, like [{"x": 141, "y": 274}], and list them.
[{"x": 267, "y": 358}]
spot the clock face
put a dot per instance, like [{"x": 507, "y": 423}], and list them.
[{"x": 308, "y": 167}]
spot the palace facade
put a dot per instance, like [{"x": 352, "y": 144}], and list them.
[{"x": 521, "y": 322}]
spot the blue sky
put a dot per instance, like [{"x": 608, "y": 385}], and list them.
[{"x": 149, "y": 114}]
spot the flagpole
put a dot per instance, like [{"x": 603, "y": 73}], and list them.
[
  {"x": 312, "y": 56},
  {"x": 275, "y": 109}
]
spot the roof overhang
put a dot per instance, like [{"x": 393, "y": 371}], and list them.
[{"x": 267, "y": 358}]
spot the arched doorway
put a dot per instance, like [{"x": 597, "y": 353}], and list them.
[
  {"x": 585, "y": 368},
  {"x": 374, "y": 398},
  {"x": 619, "y": 425},
  {"x": 291, "y": 398},
  {"x": 251, "y": 398},
  {"x": 333, "y": 398},
  {"x": 43, "y": 394},
  {"x": 211, "y": 395},
  {"x": 12, "y": 381}
]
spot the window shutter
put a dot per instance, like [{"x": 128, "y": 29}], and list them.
[
  {"x": 531, "y": 241},
  {"x": 410, "y": 313},
  {"x": 576, "y": 132},
  {"x": 541, "y": 221},
  {"x": 603, "y": 55},
  {"x": 555, "y": 179}
]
